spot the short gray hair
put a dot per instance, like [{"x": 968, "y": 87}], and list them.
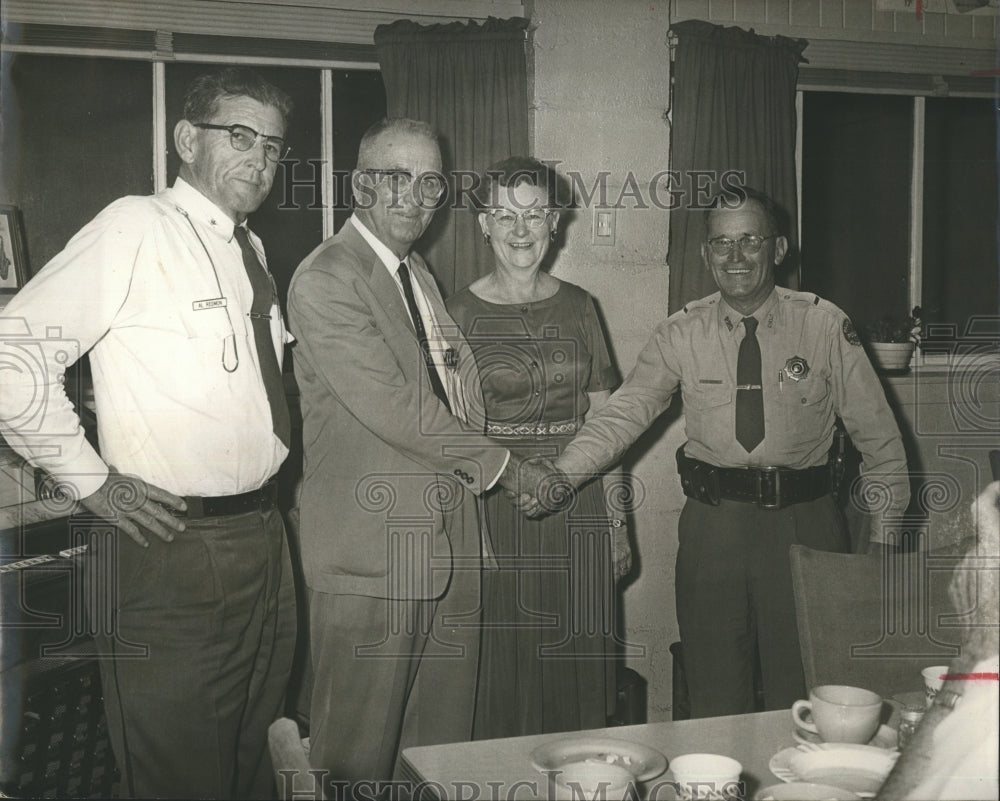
[
  {"x": 774, "y": 215},
  {"x": 404, "y": 125}
]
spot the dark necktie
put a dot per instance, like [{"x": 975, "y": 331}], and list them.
[
  {"x": 418, "y": 325},
  {"x": 260, "y": 316},
  {"x": 749, "y": 395}
]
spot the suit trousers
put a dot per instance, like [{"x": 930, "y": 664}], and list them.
[
  {"x": 196, "y": 638},
  {"x": 394, "y": 673},
  {"x": 735, "y": 600}
]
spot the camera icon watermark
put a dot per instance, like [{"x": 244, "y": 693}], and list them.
[{"x": 32, "y": 364}]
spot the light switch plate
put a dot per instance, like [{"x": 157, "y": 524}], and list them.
[{"x": 604, "y": 226}]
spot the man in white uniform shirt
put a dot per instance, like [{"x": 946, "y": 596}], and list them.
[{"x": 194, "y": 607}]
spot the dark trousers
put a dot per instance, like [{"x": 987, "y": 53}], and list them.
[
  {"x": 734, "y": 598},
  {"x": 390, "y": 674},
  {"x": 196, "y": 638}
]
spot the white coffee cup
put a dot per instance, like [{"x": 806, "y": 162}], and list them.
[
  {"x": 707, "y": 776},
  {"x": 933, "y": 681},
  {"x": 840, "y": 714}
]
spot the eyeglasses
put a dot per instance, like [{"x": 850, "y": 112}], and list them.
[
  {"x": 430, "y": 185},
  {"x": 243, "y": 138},
  {"x": 748, "y": 243},
  {"x": 533, "y": 218}
]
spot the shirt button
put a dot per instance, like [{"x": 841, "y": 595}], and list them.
[
  {"x": 804, "y": 400},
  {"x": 524, "y": 308},
  {"x": 534, "y": 364}
]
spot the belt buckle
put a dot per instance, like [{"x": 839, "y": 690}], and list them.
[{"x": 768, "y": 487}]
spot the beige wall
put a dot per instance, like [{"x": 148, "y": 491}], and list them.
[{"x": 600, "y": 92}]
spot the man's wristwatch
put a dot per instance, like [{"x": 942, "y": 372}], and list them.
[{"x": 947, "y": 698}]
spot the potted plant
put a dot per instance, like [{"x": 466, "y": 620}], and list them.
[{"x": 891, "y": 340}]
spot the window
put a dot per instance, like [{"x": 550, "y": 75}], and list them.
[
  {"x": 84, "y": 130},
  {"x": 960, "y": 269},
  {"x": 866, "y": 245},
  {"x": 80, "y": 138}
]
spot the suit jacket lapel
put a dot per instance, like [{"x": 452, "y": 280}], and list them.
[{"x": 382, "y": 283}]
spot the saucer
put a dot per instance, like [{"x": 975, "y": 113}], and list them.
[
  {"x": 859, "y": 768},
  {"x": 805, "y": 791},
  {"x": 886, "y": 738}
]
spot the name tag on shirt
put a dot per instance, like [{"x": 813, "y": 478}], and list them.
[{"x": 210, "y": 303}]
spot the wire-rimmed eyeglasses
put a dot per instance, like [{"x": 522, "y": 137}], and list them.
[
  {"x": 430, "y": 185},
  {"x": 533, "y": 218},
  {"x": 242, "y": 138},
  {"x": 748, "y": 243}
]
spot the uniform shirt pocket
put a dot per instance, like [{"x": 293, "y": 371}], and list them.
[
  {"x": 708, "y": 412},
  {"x": 804, "y": 406}
]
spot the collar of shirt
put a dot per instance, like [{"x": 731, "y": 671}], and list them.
[
  {"x": 386, "y": 256},
  {"x": 729, "y": 318},
  {"x": 200, "y": 208}
]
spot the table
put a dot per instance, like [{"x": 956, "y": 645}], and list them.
[{"x": 501, "y": 769}]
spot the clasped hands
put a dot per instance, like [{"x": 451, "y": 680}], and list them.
[{"x": 536, "y": 486}]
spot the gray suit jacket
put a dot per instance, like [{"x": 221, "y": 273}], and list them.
[{"x": 387, "y": 469}]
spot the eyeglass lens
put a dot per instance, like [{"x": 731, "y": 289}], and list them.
[
  {"x": 747, "y": 244},
  {"x": 533, "y": 218},
  {"x": 430, "y": 186},
  {"x": 243, "y": 138}
]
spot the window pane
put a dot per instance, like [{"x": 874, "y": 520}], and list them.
[
  {"x": 77, "y": 134},
  {"x": 358, "y": 101},
  {"x": 960, "y": 212},
  {"x": 290, "y": 221},
  {"x": 856, "y": 152}
]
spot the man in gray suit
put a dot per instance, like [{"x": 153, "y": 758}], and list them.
[{"x": 390, "y": 538}]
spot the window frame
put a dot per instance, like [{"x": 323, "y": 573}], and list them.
[
  {"x": 162, "y": 130},
  {"x": 941, "y": 89}
]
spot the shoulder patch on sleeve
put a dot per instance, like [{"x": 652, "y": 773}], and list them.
[{"x": 849, "y": 333}]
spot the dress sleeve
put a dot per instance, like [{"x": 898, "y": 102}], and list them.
[{"x": 603, "y": 375}]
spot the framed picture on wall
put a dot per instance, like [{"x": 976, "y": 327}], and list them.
[{"x": 13, "y": 257}]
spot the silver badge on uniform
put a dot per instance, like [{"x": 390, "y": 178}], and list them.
[{"x": 796, "y": 368}]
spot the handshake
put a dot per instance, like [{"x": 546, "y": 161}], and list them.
[{"x": 536, "y": 486}]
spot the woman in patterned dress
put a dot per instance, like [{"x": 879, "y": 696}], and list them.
[{"x": 548, "y": 656}]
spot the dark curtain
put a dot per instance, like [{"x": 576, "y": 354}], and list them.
[
  {"x": 470, "y": 82},
  {"x": 733, "y": 110}
]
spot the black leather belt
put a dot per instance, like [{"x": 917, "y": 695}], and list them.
[
  {"x": 259, "y": 500},
  {"x": 767, "y": 487}
]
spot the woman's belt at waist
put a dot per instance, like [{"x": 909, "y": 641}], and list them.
[
  {"x": 559, "y": 429},
  {"x": 767, "y": 487}
]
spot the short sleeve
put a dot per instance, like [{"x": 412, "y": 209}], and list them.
[{"x": 603, "y": 375}]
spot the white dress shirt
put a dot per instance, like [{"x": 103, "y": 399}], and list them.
[{"x": 155, "y": 288}]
